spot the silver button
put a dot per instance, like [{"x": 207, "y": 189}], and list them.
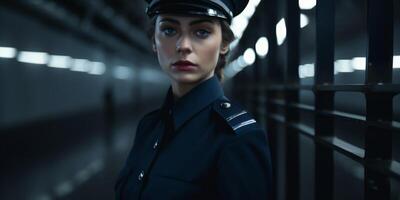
[
  {"x": 225, "y": 105},
  {"x": 141, "y": 175},
  {"x": 155, "y": 145}
]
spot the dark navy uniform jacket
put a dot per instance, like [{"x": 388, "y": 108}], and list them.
[{"x": 200, "y": 147}]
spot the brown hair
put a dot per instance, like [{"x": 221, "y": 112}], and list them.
[{"x": 227, "y": 39}]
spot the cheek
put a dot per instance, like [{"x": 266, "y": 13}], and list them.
[
  {"x": 210, "y": 53},
  {"x": 165, "y": 51}
]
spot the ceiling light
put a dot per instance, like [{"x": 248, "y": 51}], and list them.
[
  {"x": 7, "y": 52},
  {"x": 39, "y": 58},
  {"x": 396, "y": 61},
  {"x": 238, "y": 25},
  {"x": 306, "y": 70},
  {"x": 262, "y": 46},
  {"x": 98, "y": 68},
  {"x": 304, "y": 21},
  {"x": 122, "y": 72},
  {"x": 307, "y": 4},
  {"x": 249, "y": 56},
  {"x": 343, "y": 65},
  {"x": 359, "y": 63},
  {"x": 58, "y": 61},
  {"x": 281, "y": 31},
  {"x": 81, "y": 65}
]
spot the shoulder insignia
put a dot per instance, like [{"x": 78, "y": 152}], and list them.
[{"x": 234, "y": 115}]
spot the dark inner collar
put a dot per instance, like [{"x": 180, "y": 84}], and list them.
[{"x": 194, "y": 101}]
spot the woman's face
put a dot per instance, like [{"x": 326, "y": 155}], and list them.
[{"x": 188, "y": 48}]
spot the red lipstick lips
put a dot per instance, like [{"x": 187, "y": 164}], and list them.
[{"x": 184, "y": 65}]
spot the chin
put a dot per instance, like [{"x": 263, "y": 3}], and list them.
[{"x": 187, "y": 78}]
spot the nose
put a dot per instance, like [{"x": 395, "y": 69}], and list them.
[{"x": 184, "y": 45}]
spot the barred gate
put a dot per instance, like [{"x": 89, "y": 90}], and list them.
[{"x": 334, "y": 134}]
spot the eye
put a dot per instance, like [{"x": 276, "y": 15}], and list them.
[
  {"x": 202, "y": 33},
  {"x": 168, "y": 31}
]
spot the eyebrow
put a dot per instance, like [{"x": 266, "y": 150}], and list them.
[{"x": 191, "y": 23}]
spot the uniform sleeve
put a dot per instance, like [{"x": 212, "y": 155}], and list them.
[{"x": 244, "y": 168}]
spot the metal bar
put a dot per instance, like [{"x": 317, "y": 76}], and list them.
[
  {"x": 303, "y": 107},
  {"x": 272, "y": 134},
  {"x": 389, "y": 125},
  {"x": 292, "y": 96},
  {"x": 393, "y": 89},
  {"x": 378, "y": 146},
  {"x": 379, "y": 88},
  {"x": 324, "y": 100},
  {"x": 341, "y": 88},
  {"x": 299, "y": 106},
  {"x": 271, "y": 9},
  {"x": 277, "y": 102},
  {"x": 333, "y": 143},
  {"x": 345, "y": 115},
  {"x": 351, "y": 151},
  {"x": 355, "y": 153},
  {"x": 386, "y": 125}
]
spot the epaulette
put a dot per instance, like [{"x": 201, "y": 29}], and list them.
[{"x": 235, "y": 116}]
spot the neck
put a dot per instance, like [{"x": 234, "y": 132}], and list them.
[{"x": 180, "y": 89}]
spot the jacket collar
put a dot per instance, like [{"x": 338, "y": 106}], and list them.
[{"x": 193, "y": 102}]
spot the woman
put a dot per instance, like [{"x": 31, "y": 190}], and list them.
[{"x": 198, "y": 145}]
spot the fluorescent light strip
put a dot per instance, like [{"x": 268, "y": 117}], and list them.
[
  {"x": 54, "y": 61},
  {"x": 58, "y": 61},
  {"x": 396, "y": 62},
  {"x": 39, "y": 58},
  {"x": 98, "y": 68},
  {"x": 81, "y": 65},
  {"x": 122, "y": 72},
  {"x": 359, "y": 63},
  {"x": 7, "y": 52},
  {"x": 343, "y": 65},
  {"x": 306, "y": 70}
]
